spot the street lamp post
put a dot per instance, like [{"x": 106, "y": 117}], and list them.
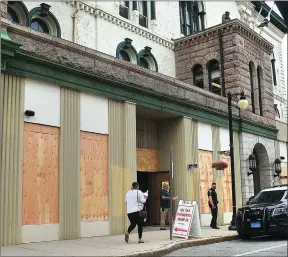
[{"x": 242, "y": 104}]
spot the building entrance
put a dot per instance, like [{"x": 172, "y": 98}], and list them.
[
  {"x": 262, "y": 177},
  {"x": 152, "y": 181}
]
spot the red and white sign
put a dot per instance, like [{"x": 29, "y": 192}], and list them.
[{"x": 187, "y": 214}]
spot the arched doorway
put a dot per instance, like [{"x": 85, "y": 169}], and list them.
[{"x": 261, "y": 178}]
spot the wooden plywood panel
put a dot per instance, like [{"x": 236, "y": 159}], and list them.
[
  {"x": 227, "y": 186},
  {"x": 40, "y": 175},
  {"x": 94, "y": 176},
  {"x": 147, "y": 160},
  {"x": 206, "y": 178},
  {"x": 284, "y": 173}
]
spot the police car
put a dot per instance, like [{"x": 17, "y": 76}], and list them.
[{"x": 264, "y": 214}]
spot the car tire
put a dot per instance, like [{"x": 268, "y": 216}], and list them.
[{"x": 243, "y": 236}]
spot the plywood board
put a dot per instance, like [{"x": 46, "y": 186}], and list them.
[
  {"x": 227, "y": 186},
  {"x": 147, "y": 160},
  {"x": 206, "y": 178},
  {"x": 94, "y": 176},
  {"x": 40, "y": 175}
]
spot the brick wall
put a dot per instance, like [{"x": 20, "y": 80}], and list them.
[{"x": 241, "y": 46}]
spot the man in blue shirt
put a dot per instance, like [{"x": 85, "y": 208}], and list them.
[{"x": 165, "y": 204}]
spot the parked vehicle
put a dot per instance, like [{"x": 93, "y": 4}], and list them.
[{"x": 264, "y": 214}]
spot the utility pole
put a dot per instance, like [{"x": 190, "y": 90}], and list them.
[{"x": 171, "y": 175}]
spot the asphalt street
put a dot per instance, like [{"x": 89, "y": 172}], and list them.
[{"x": 260, "y": 246}]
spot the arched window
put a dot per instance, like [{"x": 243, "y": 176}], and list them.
[
  {"x": 42, "y": 20},
  {"x": 191, "y": 17},
  {"x": 214, "y": 77},
  {"x": 273, "y": 69},
  {"x": 123, "y": 55},
  {"x": 39, "y": 25},
  {"x": 277, "y": 113},
  {"x": 17, "y": 12},
  {"x": 252, "y": 75},
  {"x": 259, "y": 78},
  {"x": 126, "y": 52},
  {"x": 198, "y": 76},
  {"x": 143, "y": 62},
  {"x": 147, "y": 60},
  {"x": 12, "y": 15}
]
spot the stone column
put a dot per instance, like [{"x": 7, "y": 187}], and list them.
[
  {"x": 181, "y": 133},
  {"x": 69, "y": 179},
  {"x": 238, "y": 187},
  {"x": 130, "y": 161},
  {"x": 121, "y": 160},
  {"x": 12, "y": 108},
  {"x": 218, "y": 174},
  {"x": 3, "y": 6}
]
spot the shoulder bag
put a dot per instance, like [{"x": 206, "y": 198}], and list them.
[{"x": 142, "y": 213}]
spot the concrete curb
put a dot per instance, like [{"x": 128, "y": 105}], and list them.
[{"x": 183, "y": 244}]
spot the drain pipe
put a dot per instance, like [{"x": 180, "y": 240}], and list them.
[
  {"x": 74, "y": 20},
  {"x": 222, "y": 63}
]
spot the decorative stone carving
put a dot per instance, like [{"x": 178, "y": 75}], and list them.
[
  {"x": 3, "y": 6},
  {"x": 226, "y": 17},
  {"x": 124, "y": 23}
]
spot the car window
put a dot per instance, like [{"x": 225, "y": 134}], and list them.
[{"x": 269, "y": 196}]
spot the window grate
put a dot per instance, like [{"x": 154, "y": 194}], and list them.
[
  {"x": 124, "y": 11},
  {"x": 143, "y": 20}
]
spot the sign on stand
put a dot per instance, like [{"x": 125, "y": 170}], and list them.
[{"x": 187, "y": 221}]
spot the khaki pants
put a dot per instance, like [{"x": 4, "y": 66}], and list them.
[{"x": 163, "y": 216}]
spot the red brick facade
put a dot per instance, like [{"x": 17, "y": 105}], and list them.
[{"x": 241, "y": 45}]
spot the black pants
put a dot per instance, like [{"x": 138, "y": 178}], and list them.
[
  {"x": 135, "y": 219},
  {"x": 214, "y": 213}
]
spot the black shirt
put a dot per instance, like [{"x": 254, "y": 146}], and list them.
[
  {"x": 164, "y": 203},
  {"x": 212, "y": 192}
]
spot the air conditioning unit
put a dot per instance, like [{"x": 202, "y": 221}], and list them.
[
  {"x": 124, "y": 11},
  {"x": 143, "y": 21}
]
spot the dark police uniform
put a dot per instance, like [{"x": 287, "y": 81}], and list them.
[{"x": 214, "y": 211}]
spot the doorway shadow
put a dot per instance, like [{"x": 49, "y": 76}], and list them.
[{"x": 152, "y": 181}]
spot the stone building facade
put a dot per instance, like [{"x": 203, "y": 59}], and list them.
[
  {"x": 94, "y": 101},
  {"x": 239, "y": 53}
]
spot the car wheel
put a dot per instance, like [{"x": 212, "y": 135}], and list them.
[{"x": 243, "y": 236}]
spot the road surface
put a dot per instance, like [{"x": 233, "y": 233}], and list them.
[{"x": 260, "y": 246}]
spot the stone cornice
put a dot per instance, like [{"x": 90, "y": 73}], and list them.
[
  {"x": 97, "y": 11},
  {"x": 52, "y": 49},
  {"x": 71, "y": 59},
  {"x": 232, "y": 26},
  {"x": 250, "y": 11}
]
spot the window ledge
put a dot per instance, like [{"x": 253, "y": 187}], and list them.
[{"x": 124, "y": 23}]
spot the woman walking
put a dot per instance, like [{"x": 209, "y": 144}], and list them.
[{"x": 135, "y": 201}]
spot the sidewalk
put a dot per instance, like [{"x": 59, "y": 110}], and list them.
[{"x": 157, "y": 243}]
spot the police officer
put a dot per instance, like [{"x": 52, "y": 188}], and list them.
[{"x": 213, "y": 202}]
